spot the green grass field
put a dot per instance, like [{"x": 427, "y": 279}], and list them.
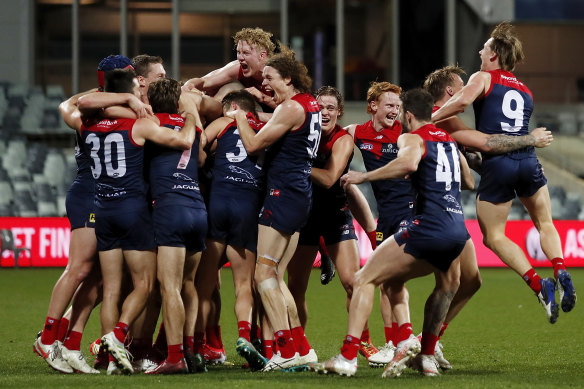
[{"x": 501, "y": 339}]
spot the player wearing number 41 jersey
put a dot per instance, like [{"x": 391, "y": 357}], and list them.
[
  {"x": 123, "y": 223},
  {"x": 503, "y": 105},
  {"x": 430, "y": 242}
]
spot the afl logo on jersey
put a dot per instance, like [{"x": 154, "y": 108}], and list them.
[{"x": 366, "y": 146}]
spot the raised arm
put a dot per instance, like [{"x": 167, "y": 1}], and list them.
[
  {"x": 476, "y": 87},
  {"x": 212, "y": 81},
  {"x": 336, "y": 164},
  {"x": 91, "y": 103},
  {"x": 70, "y": 112}
]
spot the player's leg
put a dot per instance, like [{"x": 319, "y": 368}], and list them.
[
  {"x": 242, "y": 266},
  {"x": 539, "y": 208},
  {"x": 492, "y": 219},
  {"x": 299, "y": 270}
]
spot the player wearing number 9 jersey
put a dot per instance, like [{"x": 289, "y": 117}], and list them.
[
  {"x": 503, "y": 105},
  {"x": 292, "y": 135}
]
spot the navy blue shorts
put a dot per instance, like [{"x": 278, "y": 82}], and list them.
[
  {"x": 437, "y": 244},
  {"x": 80, "y": 205},
  {"x": 233, "y": 218},
  {"x": 334, "y": 226},
  {"x": 128, "y": 228},
  {"x": 285, "y": 210},
  {"x": 389, "y": 225},
  {"x": 505, "y": 176},
  {"x": 180, "y": 226}
]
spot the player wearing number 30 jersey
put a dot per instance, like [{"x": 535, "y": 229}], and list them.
[{"x": 503, "y": 105}]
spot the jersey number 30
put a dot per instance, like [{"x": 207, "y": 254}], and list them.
[{"x": 111, "y": 141}]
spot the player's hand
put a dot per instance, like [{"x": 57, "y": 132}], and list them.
[
  {"x": 237, "y": 114},
  {"x": 191, "y": 86},
  {"x": 352, "y": 177},
  {"x": 188, "y": 102},
  {"x": 543, "y": 138},
  {"x": 142, "y": 110}
]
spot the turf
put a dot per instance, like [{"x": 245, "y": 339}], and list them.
[{"x": 500, "y": 340}]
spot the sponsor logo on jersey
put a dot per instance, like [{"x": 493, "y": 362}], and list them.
[
  {"x": 388, "y": 148},
  {"x": 181, "y": 176},
  {"x": 275, "y": 192},
  {"x": 243, "y": 172},
  {"x": 437, "y": 133},
  {"x": 186, "y": 186},
  {"x": 458, "y": 211},
  {"x": 366, "y": 146},
  {"x": 106, "y": 122},
  {"x": 379, "y": 137}
]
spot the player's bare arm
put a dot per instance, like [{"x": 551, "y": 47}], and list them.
[
  {"x": 212, "y": 81},
  {"x": 467, "y": 179},
  {"x": 287, "y": 116},
  {"x": 334, "y": 167},
  {"x": 411, "y": 149},
  {"x": 476, "y": 87},
  {"x": 90, "y": 103},
  {"x": 70, "y": 112}
]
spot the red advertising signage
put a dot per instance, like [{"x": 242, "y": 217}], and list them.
[
  {"x": 39, "y": 241},
  {"x": 44, "y": 241}
]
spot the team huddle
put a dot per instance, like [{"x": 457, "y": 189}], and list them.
[{"x": 247, "y": 165}]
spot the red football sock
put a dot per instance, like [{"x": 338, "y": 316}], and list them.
[
  {"x": 350, "y": 347},
  {"x": 395, "y": 331},
  {"x": 73, "y": 340},
  {"x": 50, "y": 330},
  {"x": 533, "y": 280},
  {"x": 428, "y": 343},
  {"x": 372, "y": 235},
  {"x": 63, "y": 329},
  {"x": 214, "y": 337},
  {"x": 198, "y": 342},
  {"x": 300, "y": 341},
  {"x": 244, "y": 328},
  {"x": 120, "y": 331},
  {"x": 285, "y": 343},
  {"x": 558, "y": 264},
  {"x": 322, "y": 246},
  {"x": 189, "y": 343},
  {"x": 404, "y": 332},
  {"x": 268, "y": 351},
  {"x": 366, "y": 336},
  {"x": 442, "y": 329},
  {"x": 388, "y": 333},
  {"x": 175, "y": 353}
]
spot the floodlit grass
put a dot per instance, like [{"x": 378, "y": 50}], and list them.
[{"x": 500, "y": 340}]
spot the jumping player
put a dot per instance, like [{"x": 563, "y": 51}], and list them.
[{"x": 503, "y": 105}]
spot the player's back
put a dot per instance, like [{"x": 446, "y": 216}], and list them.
[
  {"x": 117, "y": 162},
  {"x": 173, "y": 174},
  {"x": 438, "y": 181},
  {"x": 506, "y": 107},
  {"x": 234, "y": 169}
]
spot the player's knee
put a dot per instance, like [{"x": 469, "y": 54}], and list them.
[{"x": 267, "y": 285}]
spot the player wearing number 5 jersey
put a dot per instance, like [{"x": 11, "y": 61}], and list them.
[
  {"x": 123, "y": 223},
  {"x": 503, "y": 105},
  {"x": 292, "y": 135}
]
